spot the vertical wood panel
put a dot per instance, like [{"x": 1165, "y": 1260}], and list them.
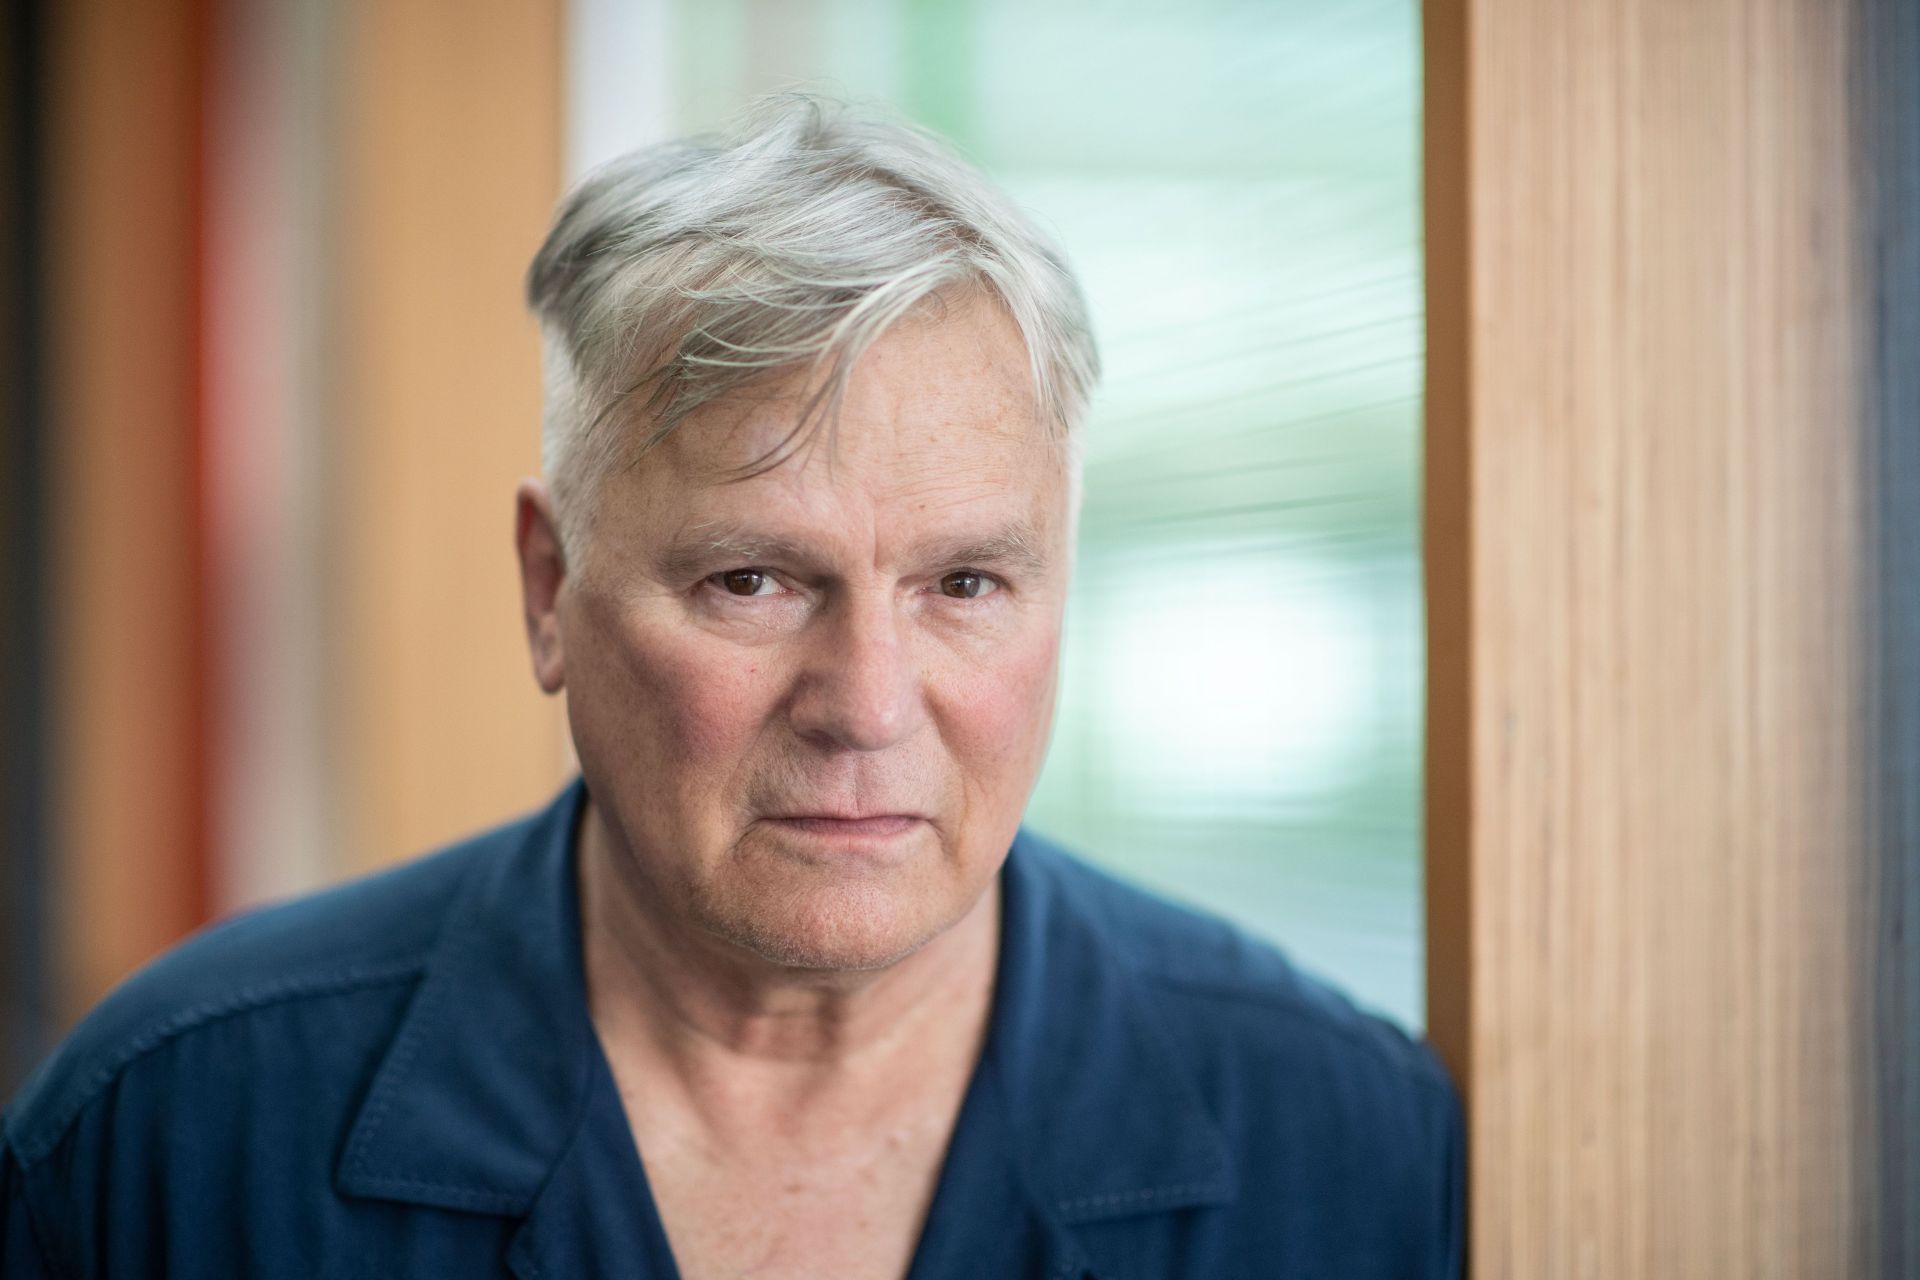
[
  {"x": 451, "y": 166},
  {"x": 1655, "y": 929}
]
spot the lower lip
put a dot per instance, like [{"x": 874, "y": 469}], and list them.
[{"x": 881, "y": 827}]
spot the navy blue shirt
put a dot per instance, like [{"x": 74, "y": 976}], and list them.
[{"x": 399, "y": 1077}]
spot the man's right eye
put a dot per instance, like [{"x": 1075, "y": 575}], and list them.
[{"x": 746, "y": 582}]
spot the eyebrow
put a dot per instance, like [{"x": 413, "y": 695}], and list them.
[{"x": 1015, "y": 546}]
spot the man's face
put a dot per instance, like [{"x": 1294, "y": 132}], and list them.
[{"x": 810, "y": 705}]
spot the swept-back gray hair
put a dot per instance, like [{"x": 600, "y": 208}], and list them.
[{"x": 678, "y": 273}]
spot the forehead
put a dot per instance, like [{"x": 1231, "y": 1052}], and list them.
[{"x": 938, "y": 420}]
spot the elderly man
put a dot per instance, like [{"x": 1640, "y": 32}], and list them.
[{"x": 777, "y": 987}]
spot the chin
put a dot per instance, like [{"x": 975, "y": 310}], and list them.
[{"x": 839, "y": 927}]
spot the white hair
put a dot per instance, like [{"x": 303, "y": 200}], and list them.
[{"x": 678, "y": 273}]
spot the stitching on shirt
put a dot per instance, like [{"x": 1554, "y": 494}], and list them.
[
  {"x": 426, "y": 1009},
  {"x": 245, "y": 1000},
  {"x": 453, "y": 932},
  {"x": 490, "y": 1199},
  {"x": 1113, "y": 1199}
]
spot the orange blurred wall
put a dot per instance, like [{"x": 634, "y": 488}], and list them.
[{"x": 292, "y": 386}]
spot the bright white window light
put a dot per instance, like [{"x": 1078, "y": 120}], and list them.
[{"x": 1233, "y": 678}]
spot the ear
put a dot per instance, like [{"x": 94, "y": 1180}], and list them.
[{"x": 543, "y": 571}]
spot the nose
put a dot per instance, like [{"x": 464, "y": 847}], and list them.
[{"x": 861, "y": 688}]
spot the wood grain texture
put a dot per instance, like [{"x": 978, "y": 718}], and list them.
[
  {"x": 1663, "y": 961},
  {"x": 450, "y": 169}
]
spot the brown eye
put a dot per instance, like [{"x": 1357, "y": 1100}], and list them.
[
  {"x": 966, "y": 586},
  {"x": 745, "y": 582}
]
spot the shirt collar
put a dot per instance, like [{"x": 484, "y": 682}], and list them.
[
  {"x": 1114, "y": 1121},
  {"x": 480, "y": 1090},
  {"x": 485, "y": 1083}
]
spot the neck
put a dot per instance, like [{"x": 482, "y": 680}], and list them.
[{"x": 731, "y": 1029}]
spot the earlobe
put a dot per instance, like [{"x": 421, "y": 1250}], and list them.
[{"x": 543, "y": 574}]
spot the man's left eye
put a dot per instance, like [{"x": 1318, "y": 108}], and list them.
[
  {"x": 746, "y": 582},
  {"x": 967, "y": 585}
]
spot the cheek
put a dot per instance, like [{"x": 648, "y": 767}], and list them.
[
  {"x": 678, "y": 702},
  {"x": 999, "y": 710},
  {"x": 711, "y": 699}
]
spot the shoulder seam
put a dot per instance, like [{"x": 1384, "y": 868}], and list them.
[{"x": 244, "y": 1000}]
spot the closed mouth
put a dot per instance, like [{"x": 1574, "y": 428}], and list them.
[{"x": 843, "y": 825}]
